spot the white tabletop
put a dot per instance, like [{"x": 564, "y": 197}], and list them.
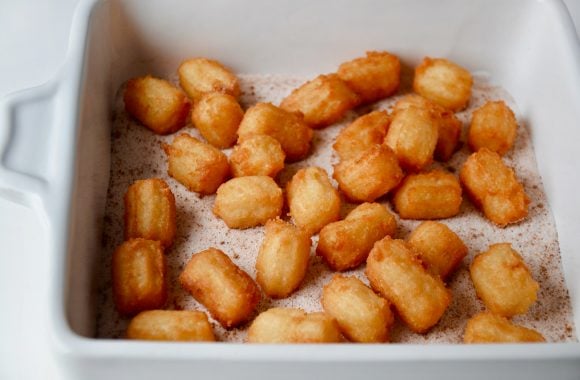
[{"x": 33, "y": 42}]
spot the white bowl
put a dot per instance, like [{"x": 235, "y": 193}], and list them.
[{"x": 62, "y": 170}]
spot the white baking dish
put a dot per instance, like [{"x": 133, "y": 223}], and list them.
[{"x": 54, "y": 147}]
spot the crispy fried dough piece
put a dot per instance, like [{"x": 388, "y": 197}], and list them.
[
  {"x": 257, "y": 155},
  {"x": 223, "y": 288},
  {"x": 346, "y": 244},
  {"x": 432, "y": 195},
  {"x": 490, "y": 328},
  {"x": 283, "y": 258},
  {"x": 312, "y": 199},
  {"x": 395, "y": 271},
  {"x": 362, "y": 134},
  {"x": 493, "y": 187},
  {"x": 323, "y": 100},
  {"x": 413, "y": 135},
  {"x": 503, "y": 281},
  {"x": 217, "y": 117},
  {"x": 171, "y": 325},
  {"x": 199, "y": 76},
  {"x": 362, "y": 315},
  {"x": 448, "y": 125},
  {"x": 439, "y": 247},
  {"x": 157, "y": 104},
  {"x": 198, "y": 166},
  {"x": 245, "y": 202},
  {"x": 373, "y": 77},
  {"x": 293, "y": 134},
  {"x": 150, "y": 211},
  {"x": 369, "y": 175},
  {"x": 284, "y": 325},
  {"x": 493, "y": 126},
  {"x": 139, "y": 276},
  {"x": 443, "y": 82}
]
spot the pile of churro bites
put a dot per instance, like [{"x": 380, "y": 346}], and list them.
[{"x": 382, "y": 156}]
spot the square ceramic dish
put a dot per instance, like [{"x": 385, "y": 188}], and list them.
[{"x": 55, "y": 147}]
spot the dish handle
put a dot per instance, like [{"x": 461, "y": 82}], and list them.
[{"x": 27, "y": 144}]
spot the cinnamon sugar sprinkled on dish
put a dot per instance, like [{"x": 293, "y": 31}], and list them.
[{"x": 137, "y": 154}]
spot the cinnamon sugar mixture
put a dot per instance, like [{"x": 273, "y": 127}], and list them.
[{"x": 137, "y": 154}]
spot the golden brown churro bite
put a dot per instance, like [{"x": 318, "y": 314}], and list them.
[
  {"x": 369, "y": 175},
  {"x": 199, "y": 76},
  {"x": 362, "y": 315},
  {"x": 373, "y": 77},
  {"x": 157, "y": 104},
  {"x": 229, "y": 293},
  {"x": 289, "y": 129},
  {"x": 443, "y": 82},
  {"x": 440, "y": 249},
  {"x": 362, "y": 134},
  {"x": 503, "y": 281},
  {"x": 432, "y": 195},
  {"x": 283, "y": 258},
  {"x": 312, "y": 199},
  {"x": 394, "y": 271},
  {"x": 171, "y": 325},
  {"x": 198, "y": 166},
  {"x": 282, "y": 325},
  {"x": 323, "y": 100},
  {"x": 245, "y": 202},
  {"x": 493, "y": 187},
  {"x": 493, "y": 126},
  {"x": 139, "y": 276},
  {"x": 346, "y": 244},
  {"x": 490, "y": 328},
  {"x": 217, "y": 117},
  {"x": 448, "y": 125},
  {"x": 150, "y": 211},
  {"x": 257, "y": 155},
  {"x": 413, "y": 135}
]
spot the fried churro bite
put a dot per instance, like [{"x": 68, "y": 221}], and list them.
[
  {"x": 432, "y": 195},
  {"x": 157, "y": 104},
  {"x": 394, "y": 270},
  {"x": 251, "y": 201},
  {"x": 199, "y": 76},
  {"x": 503, "y": 281},
  {"x": 491, "y": 328},
  {"x": 229, "y": 293},
  {"x": 362, "y": 134},
  {"x": 217, "y": 117},
  {"x": 139, "y": 276},
  {"x": 150, "y": 211},
  {"x": 362, "y": 316},
  {"x": 312, "y": 199},
  {"x": 440, "y": 249},
  {"x": 369, "y": 175},
  {"x": 293, "y": 134},
  {"x": 171, "y": 325},
  {"x": 198, "y": 166},
  {"x": 373, "y": 77},
  {"x": 493, "y": 126},
  {"x": 448, "y": 125},
  {"x": 282, "y": 259},
  {"x": 493, "y": 187},
  {"x": 443, "y": 82},
  {"x": 285, "y": 325},
  {"x": 257, "y": 155},
  {"x": 323, "y": 100},
  {"x": 346, "y": 244},
  {"x": 413, "y": 135}
]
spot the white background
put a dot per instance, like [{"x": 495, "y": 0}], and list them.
[{"x": 33, "y": 43}]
